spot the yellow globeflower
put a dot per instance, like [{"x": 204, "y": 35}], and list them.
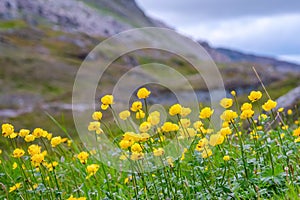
[
  {"x": 145, "y": 126},
  {"x": 124, "y": 144},
  {"x": 225, "y": 131},
  {"x": 29, "y": 138},
  {"x": 83, "y": 156},
  {"x": 228, "y": 115},
  {"x": 296, "y": 132},
  {"x": 37, "y": 159},
  {"x": 226, "y": 158},
  {"x": 198, "y": 124},
  {"x": 136, "y": 148},
  {"x": 15, "y": 187},
  {"x": 136, "y": 106},
  {"x": 154, "y": 118},
  {"x": 226, "y": 102},
  {"x": 18, "y": 153},
  {"x": 185, "y": 111},
  {"x": 91, "y": 170},
  {"x": 175, "y": 109},
  {"x": 136, "y": 156},
  {"x": 289, "y": 112},
  {"x": 255, "y": 96},
  {"x": 168, "y": 127},
  {"x": 269, "y": 105},
  {"x": 7, "y": 130},
  {"x": 206, "y": 153},
  {"x": 124, "y": 114},
  {"x": 206, "y": 113},
  {"x": 34, "y": 149},
  {"x": 246, "y": 106},
  {"x": 185, "y": 123},
  {"x": 233, "y": 93},
  {"x": 97, "y": 116},
  {"x": 140, "y": 114},
  {"x": 216, "y": 139},
  {"x": 95, "y": 126},
  {"x": 247, "y": 114},
  {"x": 24, "y": 132},
  {"x": 158, "y": 152},
  {"x": 56, "y": 141},
  {"x": 143, "y": 93},
  {"x": 106, "y": 101}
]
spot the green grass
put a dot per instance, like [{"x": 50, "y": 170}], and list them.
[
  {"x": 263, "y": 163},
  {"x": 12, "y": 24}
]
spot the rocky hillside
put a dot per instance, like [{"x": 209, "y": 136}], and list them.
[
  {"x": 93, "y": 17},
  {"x": 43, "y": 43}
]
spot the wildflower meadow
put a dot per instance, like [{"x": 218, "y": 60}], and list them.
[{"x": 254, "y": 154}]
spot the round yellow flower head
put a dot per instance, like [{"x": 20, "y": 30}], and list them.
[
  {"x": 296, "y": 132},
  {"x": 143, "y": 93},
  {"x": 154, "y": 118},
  {"x": 95, "y": 126},
  {"x": 216, "y": 139},
  {"x": 56, "y": 141},
  {"x": 18, "y": 153},
  {"x": 29, "y": 138},
  {"x": 24, "y": 132},
  {"x": 289, "y": 112},
  {"x": 185, "y": 123},
  {"x": 136, "y": 148},
  {"x": 255, "y": 96},
  {"x": 228, "y": 115},
  {"x": 269, "y": 105},
  {"x": 140, "y": 114},
  {"x": 247, "y": 114},
  {"x": 201, "y": 144},
  {"x": 38, "y": 132},
  {"x": 206, "y": 113},
  {"x": 7, "y": 130},
  {"x": 225, "y": 131},
  {"x": 83, "y": 156},
  {"x": 226, "y": 102},
  {"x": 34, "y": 149},
  {"x": 106, "y": 101},
  {"x": 15, "y": 187},
  {"x": 37, "y": 159},
  {"x": 92, "y": 169},
  {"x": 206, "y": 153},
  {"x": 124, "y": 144},
  {"x": 198, "y": 124},
  {"x": 169, "y": 126},
  {"x": 97, "y": 116},
  {"x": 246, "y": 106},
  {"x": 136, "y": 106},
  {"x": 158, "y": 152},
  {"x": 233, "y": 93},
  {"x": 136, "y": 156},
  {"x": 226, "y": 158},
  {"x": 124, "y": 114},
  {"x": 145, "y": 126},
  {"x": 175, "y": 109},
  {"x": 185, "y": 111},
  {"x": 281, "y": 109}
]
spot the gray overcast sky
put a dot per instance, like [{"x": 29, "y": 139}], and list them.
[{"x": 268, "y": 27}]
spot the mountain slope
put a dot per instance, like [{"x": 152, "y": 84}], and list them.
[{"x": 43, "y": 43}]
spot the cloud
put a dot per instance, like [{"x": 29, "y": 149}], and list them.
[
  {"x": 269, "y": 35},
  {"x": 208, "y": 10},
  {"x": 265, "y": 27}
]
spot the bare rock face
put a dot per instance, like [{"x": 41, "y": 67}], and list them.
[
  {"x": 290, "y": 99},
  {"x": 70, "y": 15}
]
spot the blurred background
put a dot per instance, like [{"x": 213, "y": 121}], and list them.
[{"x": 44, "y": 42}]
